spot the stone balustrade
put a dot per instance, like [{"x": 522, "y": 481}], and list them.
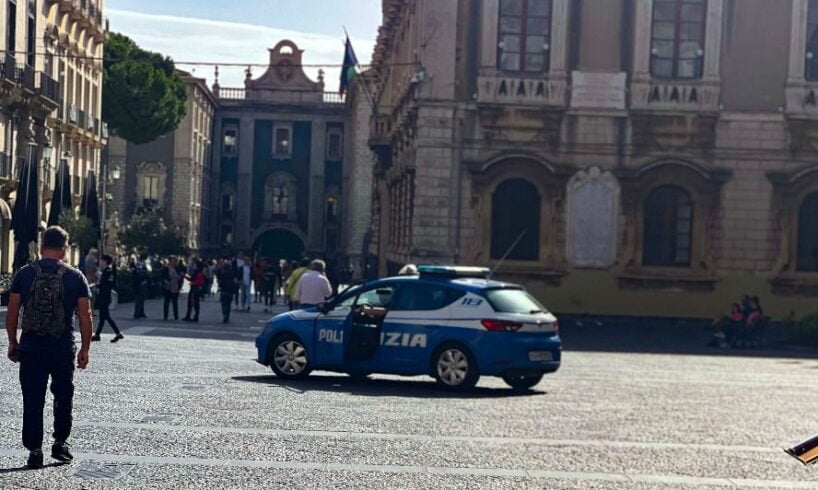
[
  {"x": 675, "y": 95},
  {"x": 512, "y": 89}
]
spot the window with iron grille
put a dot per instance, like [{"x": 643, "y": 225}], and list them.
[
  {"x": 677, "y": 45},
  {"x": 524, "y": 35}
]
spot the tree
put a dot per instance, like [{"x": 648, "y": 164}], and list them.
[
  {"x": 81, "y": 231},
  {"x": 147, "y": 232},
  {"x": 143, "y": 96}
]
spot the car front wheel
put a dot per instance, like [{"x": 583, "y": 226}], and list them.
[
  {"x": 522, "y": 383},
  {"x": 288, "y": 357},
  {"x": 455, "y": 368}
]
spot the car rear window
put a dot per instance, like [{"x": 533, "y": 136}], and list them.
[{"x": 513, "y": 301}]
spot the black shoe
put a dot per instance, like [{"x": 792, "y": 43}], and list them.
[
  {"x": 59, "y": 451},
  {"x": 35, "y": 459},
  {"x": 195, "y": 320},
  {"x": 186, "y": 319},
  {"x": 225, "y": 320},
  {"x": 118, "y": 337},
  {"x": 95, "y": 338}
]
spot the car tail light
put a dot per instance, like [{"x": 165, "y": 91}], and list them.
[{"x": 501, "y": 325}]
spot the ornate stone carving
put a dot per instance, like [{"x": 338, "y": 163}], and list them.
[{"x": 592, "y": 218}]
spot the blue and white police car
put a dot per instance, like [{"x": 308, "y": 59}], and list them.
[{"x": 453, "y": 323}]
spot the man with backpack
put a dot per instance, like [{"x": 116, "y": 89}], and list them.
[{"x": 49, "y": 293}]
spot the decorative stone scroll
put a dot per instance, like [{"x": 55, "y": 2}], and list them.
[{"x": 592, "y": 218}]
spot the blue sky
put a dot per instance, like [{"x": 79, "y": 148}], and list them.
[{"x": 242, "y": 31}]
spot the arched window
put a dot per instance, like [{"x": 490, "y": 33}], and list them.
[
  {"x": 515, "y": 217},
  {"x": 668, "y": 227},
  {"x": 808, "y": 234}
]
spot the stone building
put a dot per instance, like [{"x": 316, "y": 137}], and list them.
[
  {"x": 172, "y": 174},
  {"x": 51, "y": 94},
  {"x": 623, "y": 156},
  {"x": 281, "y": 155}
]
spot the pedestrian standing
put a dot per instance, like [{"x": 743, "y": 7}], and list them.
[
  {"x": 140, "y": 275},
  {"x": 272, "y": 274},
  {"x": 90, "y": 266},
  {"x": 258, "y": 281},
  {"x": 197, "y": 281},
  {"x": 209, "y": 273},
  {"x": 246, "y": 284},
  {"x": 227, "y": 287},
  {"x": 238, "y": 265},
  {"x": 49, "y": 293},
  {"x": 292, "y": 282},
  {"x": 107, "y": 284},
  {"x": 313, "y": 288},
  {"x": 171, "y": 285}
]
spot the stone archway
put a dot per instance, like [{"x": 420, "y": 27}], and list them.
[{"x": 278, "y": 243}]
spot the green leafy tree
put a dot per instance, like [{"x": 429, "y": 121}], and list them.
[
  {"x": 147, "y": 232},
  {"x": 81, "y": 230},
  {"x": 143, "y": 95}
]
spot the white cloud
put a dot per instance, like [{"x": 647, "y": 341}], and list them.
[{"x": 188, "y": 39}]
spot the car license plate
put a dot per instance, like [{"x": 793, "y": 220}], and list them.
[{"x": 539, "y": 355}]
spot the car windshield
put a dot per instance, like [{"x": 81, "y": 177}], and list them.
[{"x": 513, "y": 301}]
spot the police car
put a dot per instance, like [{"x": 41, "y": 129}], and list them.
[{"x": 453, "y": 323}]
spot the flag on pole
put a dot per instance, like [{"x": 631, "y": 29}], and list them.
[{"x": 350, "y": 68}]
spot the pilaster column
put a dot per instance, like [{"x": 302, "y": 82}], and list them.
[
  {"x": 798, "y": 41},
  {"x": 641, "y": 42},
  {"x": 488, "y": 40},
  {"x": 244, "y": 199},
  {"x": 559, "y": 38},
  {"x": 315, "y": 228},
  {"x": 712, "y": 40}
]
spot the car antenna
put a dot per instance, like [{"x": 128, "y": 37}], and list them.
[{"x": 505, "y": 255}]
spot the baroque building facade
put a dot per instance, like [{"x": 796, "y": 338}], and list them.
[
  {"x": 616, "y": 156},
  {"x": 51, "y": 96},
  {"x": 173, "y": 174},
  {"x": 281, "y": 153}
]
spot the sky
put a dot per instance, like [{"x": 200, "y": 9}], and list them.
[{"x": 241, "y": 31}]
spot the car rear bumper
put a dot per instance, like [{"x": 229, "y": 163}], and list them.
[{"x": 519, "y": 353}]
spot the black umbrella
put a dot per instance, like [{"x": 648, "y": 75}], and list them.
[
  {"x": 90, "y": 201},
  {"x": 25, "y": 217},
  {"x": 61, "y": 200}
]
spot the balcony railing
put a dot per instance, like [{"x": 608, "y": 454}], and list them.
[
  {"x": 292, "y": 96},
  {"x": 513, "y": 89},
  {"x": 24, "y": 76},
  {"x": 675, "y": 95},
  {"x": 48, "y": 88},
  {"x": 5, "y": 166}
]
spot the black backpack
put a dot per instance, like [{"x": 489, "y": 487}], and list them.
[{"x": 44, "y": 312}]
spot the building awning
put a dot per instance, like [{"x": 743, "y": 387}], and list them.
[{"x": 5, "y": 210}]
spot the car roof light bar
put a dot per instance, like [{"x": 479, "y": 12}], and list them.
[{"x": 448, "y": 271}]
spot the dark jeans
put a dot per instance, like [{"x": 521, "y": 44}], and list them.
[
  {"x": 105, "y": 316},
  {"x": 193, "y": 303},
  {"x": 226, "y": 299},
  {"x": 172, "y": 299},
  {"x": 35, "y": 368},
  {"x": 139, "y": 302}
]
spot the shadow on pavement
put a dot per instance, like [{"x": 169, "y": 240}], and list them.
[
  {"x": 380, "y": 387},
  {"x": 664, "y": 336},
  {"x": 20, "y": 469}
]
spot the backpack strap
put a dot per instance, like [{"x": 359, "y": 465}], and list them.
[
  {"x": 61, "y": 270},
  {"x": 36, "y": 266}
]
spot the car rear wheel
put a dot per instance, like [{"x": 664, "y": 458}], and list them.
[
  {"x": 455, "y": 368},
  {"x": 288, "y": 357},
  {"x": 522, "y": 383}
]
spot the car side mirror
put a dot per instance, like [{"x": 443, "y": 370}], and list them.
[{"x": 325, "y": 308}]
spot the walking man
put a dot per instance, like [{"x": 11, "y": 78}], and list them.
[
  {"x": 107, "y": 284},
  {"x": 227, "y": 288},
  {"x": 49, "y": 292},
  {"x": 172, "y": 284}
]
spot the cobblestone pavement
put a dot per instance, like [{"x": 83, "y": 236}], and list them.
[{"x": 177, "y": 405}]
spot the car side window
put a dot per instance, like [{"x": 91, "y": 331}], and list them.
[
  {"x": 380, "y": 297},
  {"x": 425, "y": 297}
]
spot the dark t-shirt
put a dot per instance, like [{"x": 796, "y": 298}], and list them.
[
  {"x": 75, "y": 287},
  {"x": 271, "y": 275}
]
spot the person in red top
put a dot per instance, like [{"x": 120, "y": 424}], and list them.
[{"x": 197, "y": 281}]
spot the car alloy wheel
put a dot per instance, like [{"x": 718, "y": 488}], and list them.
[
  {"x": 290, "y": 358},
  {"x": 455, "y": 369}
]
